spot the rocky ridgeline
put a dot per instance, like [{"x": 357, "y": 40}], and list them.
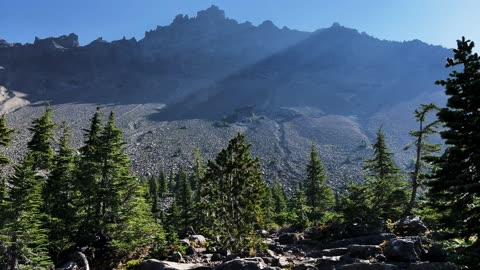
[{"x": 411, "y": 248}]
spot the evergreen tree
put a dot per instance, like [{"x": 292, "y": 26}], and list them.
[
  {"x": 58, "y": 194},
  {"x": 5, "y": 139},
  {"x": 40, "y": 144},
  {"x": 162, "y": 184},
  {"x": 22, "y": 232},
  {"x": 422, "y": 151},
  {"x": 116, "y": 218},
  {"x": 279, "y": 200},
  {"x": 233, "y": 189},
  {"x": 356, "y": 206},
  {"x": 455, "y": 183},
  {"x": 184, "y": 198},
  {"x": 319, "y": 195},
  {"x": 87, "y": 179},
  {"x": 387, "y": 187},
  {"x": 268, "y": 207},
  {"x": 153, "y": 193},
  {"x": 300, "y": 209}
]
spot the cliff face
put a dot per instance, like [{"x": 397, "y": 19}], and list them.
[{"x": 283, "y": 88}]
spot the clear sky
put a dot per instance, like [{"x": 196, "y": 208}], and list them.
[{"x": 438, "y": 22}]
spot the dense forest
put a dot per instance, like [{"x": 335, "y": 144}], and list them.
[{"x": 60, "y": 202}]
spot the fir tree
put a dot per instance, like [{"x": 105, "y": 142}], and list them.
[
  {"x": 162, "y": 184},
  {"x": 5, "y": 138},
  {"x": 184, "y": 198},
  {"x": 22, "y": 232},
  {"x": 300, "y": 209},
  {"x": 319, "y": 195},
  {"x": 233, "y": 189},
  {"x": 384, "y": 181},
  {"x": 154, "y": 193},
  {"x": 87, "y": 179},
  {"x": 58, "y": 194},
  {"x": 422, "y": 151},
  {"x": 356, "y": 206},
  {"x": 455, "y": 183},
  {"x": 279, "y": 200},
  {"x": 40, "y": 144}
]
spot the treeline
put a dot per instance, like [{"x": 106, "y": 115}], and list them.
[{"x": 62, "y": 201}]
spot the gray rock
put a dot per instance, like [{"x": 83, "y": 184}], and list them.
[
  {"x": 243, "y": 264},
  {"x": 432, "y": 266},
  {"x": 435, "y": 253},
  {"x": 216, "y": 257},
  {"x": 305, "y": 266},
  {"x": 288, "y": 238},
  {"x": 409, "y": 226},
  {"x": 175, "y": 257},
  {"x": 364, "y": 251},
  {"x": 153, "y": 264},
  {"x": 374, "y": 239},
  {"x": 368, "y": 266},
  {"x": 199, "y": 240},
  {"x": 406, "y": 249}
]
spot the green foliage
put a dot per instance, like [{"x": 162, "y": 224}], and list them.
[
  {"x": 58, "y": 194},
  {"x": 356, "y": 205},
  {"x": 184, "y": 199},
  {"x": 40, "y": 144},
  {"x": 385, "y": 183},
  {"x": 319, "y": 195},
  {"x": 5, "y": 138},
  {"x": 300, "y": 209},
  {"x": 22, "y": 232},
  {"x": 423, "y": 150},
  {"x": 455, "y": 182},
  {"x": 232, "y": 190}
]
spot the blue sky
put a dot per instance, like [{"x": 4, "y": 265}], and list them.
[{"x": 438, "y": 22}]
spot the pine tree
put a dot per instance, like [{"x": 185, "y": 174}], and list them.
[
  {"x": 125, "y": 216},
  {"x": 87, "y": 179},
  {"x": 455, "y": 183},
  {"x": 384, "y": 181},
  {"x": 319, "y": 195},
  {"x": 115, "y": 216},
  {"x": 162, "y": 184},
  {"x": 356, "y": 206},
  {"x": 300, "y": 209},
  {"x": 5, "y": 138},
  {"x": 41, "y": 143},
  {"x": 153, "y": 193},
  {"x": 233, "y": 189},
  {"x": 423, "y": 150},
  {"x": 184, "y": 198},
  {"x": 279, "y": 198},
  {"x": 58, "y": 195},
  {"x": 22, "y": 232}
]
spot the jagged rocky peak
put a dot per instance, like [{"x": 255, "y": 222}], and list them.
[
  {"x": 212, "y": 13},
  {"x": 268, "y": 25},
  {"x": 62, "y": 42}
]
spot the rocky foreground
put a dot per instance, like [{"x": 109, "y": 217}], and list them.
[{"x": 412, "y": 247}]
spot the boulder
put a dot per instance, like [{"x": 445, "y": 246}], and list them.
[
  {"x": 304, "y": 266},
  {"x": 216, "y": 257},
  {"x": 262, "y": 233},
  {"x": 405, "y": 249},
  {"x": 153, "y": 264},
  {"x": 368, "y": 266},
  {"x": 288, "y": 238},
  {"x": 374, "y": 239},
  {"x": 435, "y": 253},
  {"x": 432, "y": 266},
  {"x": 199, "y": 240},
  {"x": 244, "y": 264},
  {"x": 409, "y": 226},
  {"x": 364, "y": 251},
  {"x": 175, "y": 257}
]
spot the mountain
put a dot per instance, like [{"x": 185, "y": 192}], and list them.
[{"x": 198, "y": 81}]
